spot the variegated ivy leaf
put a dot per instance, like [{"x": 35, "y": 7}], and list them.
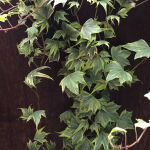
[
  {"x": 141, "y": 48},
  {"x": 33, "y": 145},
  {"x": 147, "y": 95},
  {"x": 28, "y": 114},
  {"x": 40, "y": 136},
  {"x": 116, "y": 130},
  {"x": 105, "y": 4},
  {"x": 3, "y": 18},
  {"x": 22, "y": 8},
  {"x": 115, "y": 71},
  {"x": 5, "y": 1},
  {"x": 89, "y": 27},
  {"x": 32, "y": 32},
  {"x": 73, "y": 4},
  {"x": 141, "y": 124},
  {"x": 126, "y": 3},
  {"x": 30, "y": 80},
  {"x": 112, "y": 18},
  {"x": 56, "y": 2},
  {"x": 72, "y": 82}
]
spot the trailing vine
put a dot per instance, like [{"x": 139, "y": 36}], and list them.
[{"x": 91, "y": 65}]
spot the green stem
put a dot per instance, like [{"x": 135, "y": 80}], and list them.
[{"x": 96, "y": 12}]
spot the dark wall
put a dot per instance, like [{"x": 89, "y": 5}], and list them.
[{"x": 14, "y": 93}]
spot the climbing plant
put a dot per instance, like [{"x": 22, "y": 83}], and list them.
[
  {"x": 40, "y": 138},
  {"x": 91, "y": 65}
]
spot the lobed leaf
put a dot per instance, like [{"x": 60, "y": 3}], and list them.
[
  {"x": 117, "y": 72},
  {"x": 30, "y": 79},
  {"x": 72, "y": 80},
  {"x": 89, "y": 27},
  {"x": 141, "y": 48}
]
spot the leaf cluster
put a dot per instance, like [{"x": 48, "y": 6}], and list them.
[
  {"x": 91, "y": 66},
  {"x": 40, "y": 137}
]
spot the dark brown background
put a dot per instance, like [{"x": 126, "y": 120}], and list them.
[{"x": 14, "y": 94}]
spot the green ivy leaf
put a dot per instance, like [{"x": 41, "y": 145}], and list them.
[
  {"x": 95, "y": 127},
  {"x": 70, "y": 32},
  {"x": 60, "y": 15},
  {"x": 42, "y": 16},
  {"x": 107, "y": 115},
  {"x": 89, "y": 103},
  {"x": 124, "y": 12},
  {"x": 120, "y": 55},
  {"x": 33, "y": 145},
  {"x": 116, "y": 71},
  {"x": 125, "y": 121},
  {"x": 89, "y": 27},
  {"x": 40, "y": 136},
  {"x": 102, "y": 42},
  {"x": 141, "y": 48},
  {"x": 58, "y": 34},
  {"x": 101, "y": 140},
  {"x": 97, "y": 64},
  {"x": 84, "y": 145},
  {"x": 71, "y": 82},
  {"x": 31, "y": 77},
  {"x": 66, "y": 117},
  {"x": 101, "y": 85},
  {"x": 109, "y": 32},
  {"x": 53, "y": 47},
  {"x": 77, "y": 137},
  {"x": 83, "y": 125},
  {"x": 50, "y": 146}
]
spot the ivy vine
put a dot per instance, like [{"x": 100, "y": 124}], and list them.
[{"x": 91, "y": 65}]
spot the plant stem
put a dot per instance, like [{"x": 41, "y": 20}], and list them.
[
  {"x": 141, "y": 3},
  {"x": 139, "y": 64}
]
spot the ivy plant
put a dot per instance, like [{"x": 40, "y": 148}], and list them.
[
  {"x": 40, "y": 137},
  {"x": 91, "y": 65}
]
